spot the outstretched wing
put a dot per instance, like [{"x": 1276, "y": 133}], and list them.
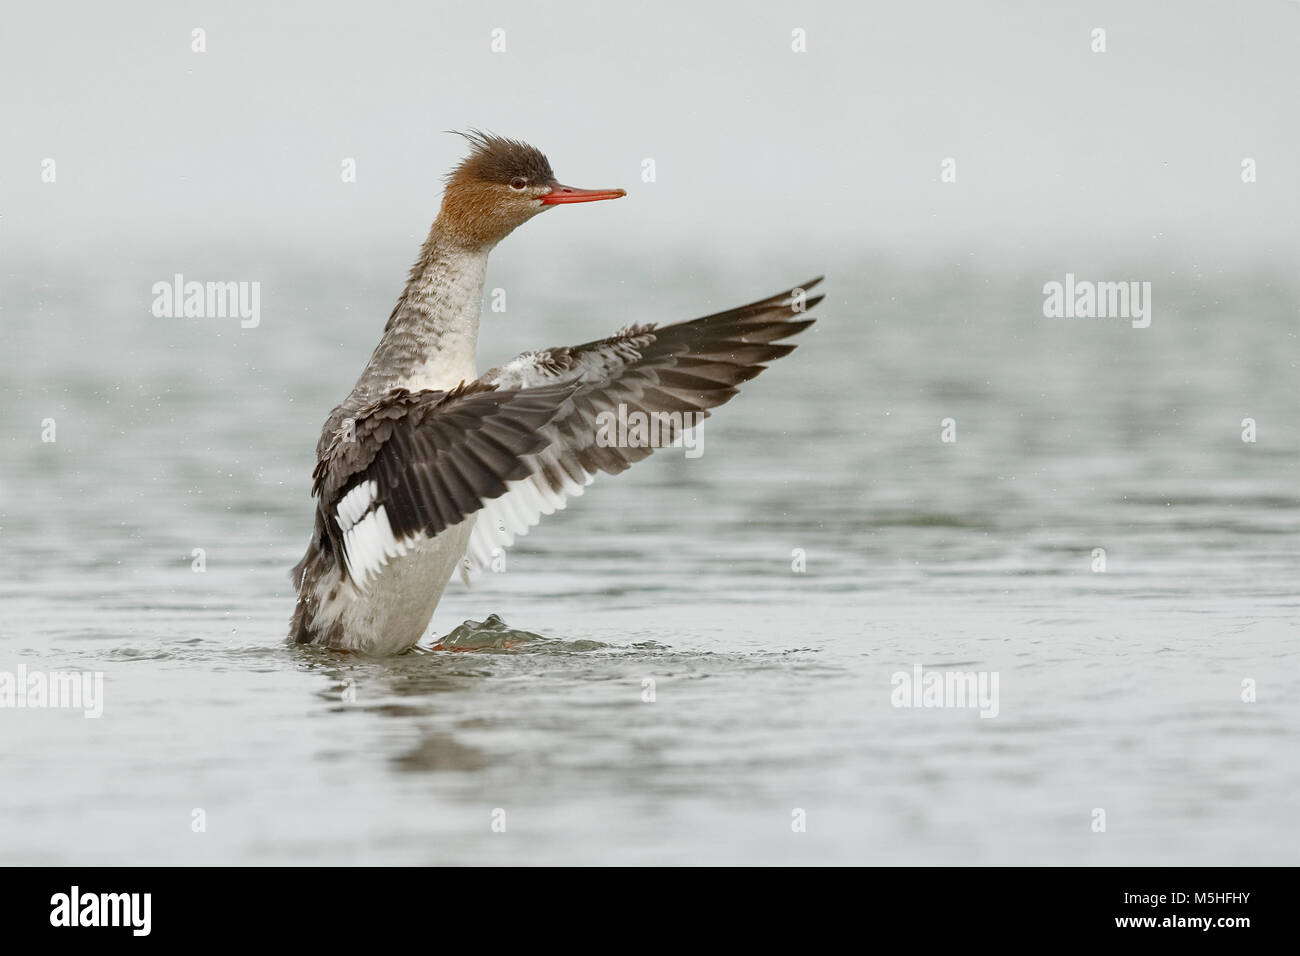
[
  {"x": 415, "y": 463},
  {"x": 672, "y": 375}
]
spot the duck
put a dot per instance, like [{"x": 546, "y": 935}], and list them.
[{"x": 427, "y": 466}]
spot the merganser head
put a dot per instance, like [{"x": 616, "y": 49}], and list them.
[{"x": 500, "y": 185}]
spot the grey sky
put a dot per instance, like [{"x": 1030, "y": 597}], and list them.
[{"x": 1134, "y": 149}]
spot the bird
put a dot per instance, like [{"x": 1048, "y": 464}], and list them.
[{"x": 428, "y": 466}]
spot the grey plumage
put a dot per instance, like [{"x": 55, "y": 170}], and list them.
[{"x": 687, "y": 367}]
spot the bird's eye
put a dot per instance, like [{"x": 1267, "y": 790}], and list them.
[{"x": 518, "y": 183}]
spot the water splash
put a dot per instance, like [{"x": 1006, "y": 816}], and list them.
[{"x": 492, "y": 633}]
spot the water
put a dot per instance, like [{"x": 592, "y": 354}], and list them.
[{"x": 1119, "y": 691}]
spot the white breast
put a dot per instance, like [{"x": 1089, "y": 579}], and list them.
[
  {"x": 394, "y": 610},
  {"x": 448, "y": 300}
]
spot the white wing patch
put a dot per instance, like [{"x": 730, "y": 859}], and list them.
[
  {"x": 355, "y": 504},
  {"x": 368, "y": 539},
  {"x": 508, "y": 517}
]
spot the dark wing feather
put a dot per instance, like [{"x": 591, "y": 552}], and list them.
[
  {"x": 416, "y": 463},
  {"x": 684, "y": 369}
]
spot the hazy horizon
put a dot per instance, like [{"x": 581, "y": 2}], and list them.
[{"x": 1060, "y": 152}]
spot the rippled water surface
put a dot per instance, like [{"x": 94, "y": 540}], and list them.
[{"x": 1119, "y": 691}]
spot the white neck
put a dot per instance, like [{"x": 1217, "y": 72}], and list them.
[{"x": 431, "y": 339}]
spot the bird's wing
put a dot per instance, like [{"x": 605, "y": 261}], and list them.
[
  {"x": 415, "y": 463},
  {"x": 673, "y": 374}
]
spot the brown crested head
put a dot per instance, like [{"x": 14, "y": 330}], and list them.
[
  {"x": 501, "y": 161},
  {"x": 500, "y": 185}
]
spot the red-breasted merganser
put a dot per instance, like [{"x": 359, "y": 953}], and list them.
[{"x": 426, "y": 465}]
